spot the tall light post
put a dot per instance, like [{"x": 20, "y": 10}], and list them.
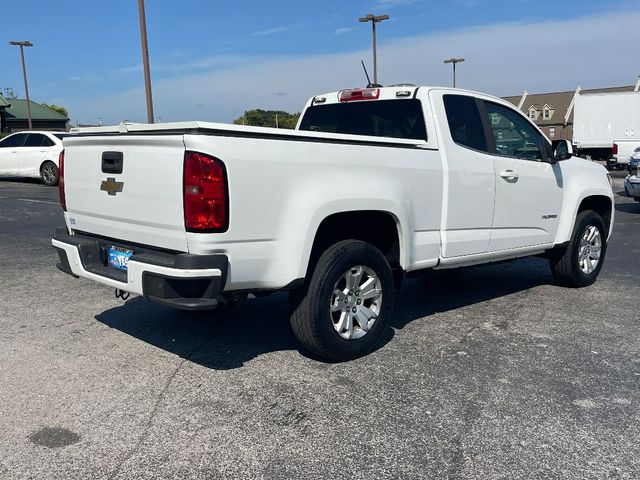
[
  {"x": 145, "y": 60},
  {"x": 454, "y": 61},
  {"x": 374, "y": 19},
  {"x": 22, "y": 44}
]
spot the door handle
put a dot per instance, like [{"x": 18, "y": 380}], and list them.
[{"x": 510, "y": 175}]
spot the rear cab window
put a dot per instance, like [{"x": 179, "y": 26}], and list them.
[
  {"x": 465, "y": 122},
  {"x": 378, "y": 118}
]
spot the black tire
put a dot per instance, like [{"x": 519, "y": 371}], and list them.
[
  {"x": 49, "y": 173},
  {"x": 311, "y": 318},
  {"x": 610, "y": 165},
  {"x": 565, "y": 263}
]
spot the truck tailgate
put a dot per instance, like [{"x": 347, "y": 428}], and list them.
[{"x": 143, "y": 202}]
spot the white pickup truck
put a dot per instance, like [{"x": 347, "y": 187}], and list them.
[{"x": 373, "y": 184}]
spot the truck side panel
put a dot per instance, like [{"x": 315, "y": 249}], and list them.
[{"x": 281, "y": 190}]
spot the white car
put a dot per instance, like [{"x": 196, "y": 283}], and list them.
[
  {"x": 31, "y": 154},
  {"x": 374, "y": 183},
  {"x": 632, "y": 182}
]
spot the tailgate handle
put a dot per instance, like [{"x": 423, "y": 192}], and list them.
[{"x": 112, "y": 162}]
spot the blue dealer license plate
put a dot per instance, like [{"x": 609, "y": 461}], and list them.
[{"x": 119, "y": 258}]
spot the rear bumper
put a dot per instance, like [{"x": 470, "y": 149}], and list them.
[{"x": 179, "y": 280}]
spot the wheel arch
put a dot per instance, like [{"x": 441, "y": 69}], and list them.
[
  {"x": 602, "y": 205},
  {"x": 380, "y": 228},
  {"x": 599, "y": 202},
  {"x": 55, "y": 162}
]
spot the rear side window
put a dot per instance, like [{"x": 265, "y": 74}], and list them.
[
  {"x": 465, "y": 122},
  {"x": 383, "y": 118},
  {"x": 35, "y": 140},
  {"x": 16, "y": 140}
]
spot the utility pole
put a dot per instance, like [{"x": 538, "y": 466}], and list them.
[
  {"x": 374, "y": 19},
  {"x": 22, "y": 44},
  {"x": 145, "y": 60},
  {"x": 454, "y": 61}
]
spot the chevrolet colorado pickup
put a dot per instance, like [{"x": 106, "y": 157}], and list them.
[{"x": 374, "y": 183}]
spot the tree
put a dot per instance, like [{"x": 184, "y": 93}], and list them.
[
  {"x": 9, "y": 93},
  {"x": 56, "y": 108},
  {"x": 267, "y": 118}
]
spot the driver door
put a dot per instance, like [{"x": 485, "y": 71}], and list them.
[{"x": 528, "y": 186}]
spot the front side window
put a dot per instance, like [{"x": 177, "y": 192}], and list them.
[
  {"x": 465, "y": 122},
  {"x": 16, "y": 140},
  {"x": 381, "y": 118},
  {"x": 514, "y": 136}
]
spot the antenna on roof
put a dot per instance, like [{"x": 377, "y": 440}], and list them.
[
  {"x": 366, "y": 74},
  {"x": 369, "y": 84}
]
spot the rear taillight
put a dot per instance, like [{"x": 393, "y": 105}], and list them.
[
  {"x": 614, "y": 149},
  {"x": 206, "y": 204},
  {"x": 359, "y": 94},
  {"x": 63, "y": 200}
]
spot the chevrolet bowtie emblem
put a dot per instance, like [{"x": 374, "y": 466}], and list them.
[{"x": 111, "y": 186}]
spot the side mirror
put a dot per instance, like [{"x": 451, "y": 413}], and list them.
[{"x": 563, "y": 151}]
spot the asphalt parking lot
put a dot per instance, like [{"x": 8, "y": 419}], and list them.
[{"x": 491, "y": 372}]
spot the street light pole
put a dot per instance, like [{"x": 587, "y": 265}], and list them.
[
  {"x": 374, "y": 19},
  {"x": 22, "y": 44},
  {"x": 145, "y": 60},
  {"x": 454, "y": 61}
]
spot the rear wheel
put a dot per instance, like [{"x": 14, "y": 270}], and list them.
[
  {"x": 345, "y": 308},
  {"x": 49, "y": 173},
  {"x": 579, "y": 264}
]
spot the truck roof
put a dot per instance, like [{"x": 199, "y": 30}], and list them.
[{"x": 394, "y": 92}]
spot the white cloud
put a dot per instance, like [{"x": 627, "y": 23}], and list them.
[
  {"x": 342, "y": 31},
  {"x": 274, "y": 30},
  {"x": 394, "y": 3},
  {"x": 502, "y": 59}
]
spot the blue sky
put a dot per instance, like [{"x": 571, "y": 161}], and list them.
[{"x": 211, "y": 60}]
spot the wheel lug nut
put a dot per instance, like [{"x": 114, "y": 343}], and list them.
[
  {"x": 359, "y": 301},
  {"x": 357, "y": 293},
  {"x": 354, "y": 309}
]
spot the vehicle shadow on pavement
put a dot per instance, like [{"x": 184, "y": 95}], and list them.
[
  {"x": 227, "y": 339},
  {"x": 628, "y": 207},
  {"x": 453, "y": 289}
]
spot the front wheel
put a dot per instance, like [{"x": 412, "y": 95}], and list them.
[
  {"x": 580, "y": 262},
  {"x": 345, "y": 308},
  {"x": 49, "y": 173}
]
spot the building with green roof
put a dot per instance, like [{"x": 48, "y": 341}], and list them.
[{"x": 14, "y": 117}]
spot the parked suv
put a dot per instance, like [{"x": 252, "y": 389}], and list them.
[{"x": 31, "y": 154}]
